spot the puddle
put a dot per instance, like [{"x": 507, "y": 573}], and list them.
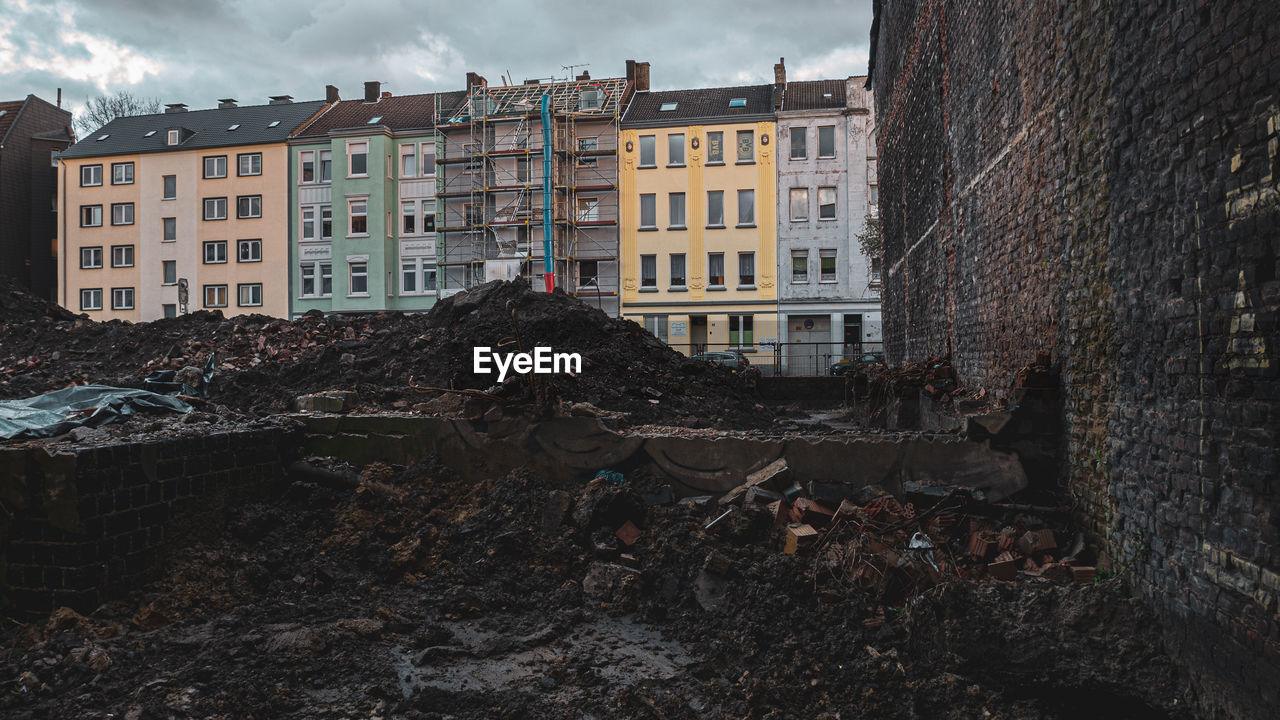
[{"x": 619, "y": 651}]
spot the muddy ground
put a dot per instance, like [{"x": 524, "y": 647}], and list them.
[
  {"x": 408, "y": 593},
  {"x": 389, "y": 359}
]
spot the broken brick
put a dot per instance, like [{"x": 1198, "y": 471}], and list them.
[
  {"x": 628, "y": 533},
  {"x": 799, "y": 535}
]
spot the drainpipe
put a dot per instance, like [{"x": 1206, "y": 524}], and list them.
[{"x": 548, "y": 263}]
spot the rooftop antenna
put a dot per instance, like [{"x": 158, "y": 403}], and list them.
[{"x": 569, "y": 68}]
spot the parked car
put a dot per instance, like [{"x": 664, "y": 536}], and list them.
[
  {"x": 733, "y": 360},
  {"x": 842, "y": 366}
]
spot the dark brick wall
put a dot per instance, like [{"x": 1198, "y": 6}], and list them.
[
  {"x": 1102, "y": 180},
  {"x": 28, "y": 185},
  {"x": 87, "y": 524}
]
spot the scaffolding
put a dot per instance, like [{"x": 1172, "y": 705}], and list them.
[{"x": 490, "y": 186}]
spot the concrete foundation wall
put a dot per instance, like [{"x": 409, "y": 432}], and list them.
[{"x": 1100, "y": 180}]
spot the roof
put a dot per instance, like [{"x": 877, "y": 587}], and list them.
[
  {"x": 398, "y": 112},
  {"x": 813, "y": 95},
  {"x": 205, "y": 129},
  {"x": 511, "y": 100},
  {"x": 9, "y": 112},
  {"x": 704, "y": 105}
]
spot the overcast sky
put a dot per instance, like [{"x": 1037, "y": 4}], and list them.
[{"x": 195, "y": 51}]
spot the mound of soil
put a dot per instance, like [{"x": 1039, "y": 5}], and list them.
[
  {"x": 413, "y": 594},
  {"x": 388, "y": 358},
  {"x": 19, "y": 306}
]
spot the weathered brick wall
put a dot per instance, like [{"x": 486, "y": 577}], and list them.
[
  {"x": 1103, "y": 180},
  {"x": 84, "y": 524}
]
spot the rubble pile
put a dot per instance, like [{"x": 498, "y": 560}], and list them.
[
  {"x": 410, "y": 593},
  {"x": 389, "y": 360},
  {"x": 19, "y": 306}
]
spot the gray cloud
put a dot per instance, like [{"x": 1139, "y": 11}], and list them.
[{"x": 195, "y": 51}]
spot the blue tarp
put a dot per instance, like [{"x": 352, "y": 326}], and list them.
[{"x": 57, "y": 412}]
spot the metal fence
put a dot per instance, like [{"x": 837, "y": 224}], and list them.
[{"x": 797, "y": 358}]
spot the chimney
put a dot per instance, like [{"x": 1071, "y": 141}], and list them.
[
  {"x": 281, "y": 99},
  {"x": 386, "y": 94},
  {"x": 642, "y": 76},
  {"x": 59, "y": 98},
  {"x": 534, "y": 81},
  {"x": 372, "y": 90},
  {"x": 224, "y": 103},
  {"x": 584, "y": 76},
  {"x": 331, "y": 94},
  {"x": 474, "y": 79},
  {"x": 175, "y": 108},
  {"x": 780, "y": 72}
]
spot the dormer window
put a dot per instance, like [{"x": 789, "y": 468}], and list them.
[
  {"x": 737, "y": 102},
  {"x": 668, "y": 107},
  {"x": 173, "y": 137},
  {"x": 590, "y": 100}
]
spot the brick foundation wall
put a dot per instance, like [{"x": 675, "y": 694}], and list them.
[
  {"x": 85, "y": 524},
  {"x": 1102, "y": 180}
]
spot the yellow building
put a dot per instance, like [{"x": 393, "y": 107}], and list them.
[
  {"x": 151, "y": 203},
  {"x": 698, "y": 219}
]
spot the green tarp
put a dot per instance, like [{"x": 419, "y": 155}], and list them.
[{"x": 57, "y": 412}]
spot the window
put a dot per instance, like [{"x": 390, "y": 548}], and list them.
[
  {"x": 249, "y": 206},
  {"x": 91, "y": 176},
  {"x": 249, "y": 164},
  {"x": 249, "y": 251},
  {"x": 357, "y": 158},
  {"x": 648, "y": 151},
  {"x": 307, "y": 163},
  {"x": 522, "y": 170},
  {"x": 91, "y": 299},
  {"x": 53, "y": 157},
  {"x": 90, "y": 216},
  {"x": 409, "y": 218},
  {"x": 675, "y": 149},
  {"x": 428, "y": 159},
  {"x": 737, "y": 102},
  {"x": 170, "y": 187},
  {"x": 875, "y": 271},
  {"x": 586, "y": 145},
  {"x": 429, "y": 216},
  {"x": 827, "y": 141},
  {"x": 170, "y": 229},
  {"x": 675, "y": 211},
  {"x": 590, "y": 99},
  {"x": 798, "y": 150},
  {"x": 715, "y": 270},
  {"x": 874, "y": 192},
  {"x": 173, "y": 137},
  {"x": 358, "y": 217},
  {"x": 215, "y": 252},
  {"x": 649, "y": 271},
  {"x": 170, "y": 310},
  {"x": 656, "y": 324},
  {"x": 648, "y": 211},
  {"x": 122, "y": 298},
  {"x": 122, "y": 173},
  {"x": 215, "y": 208},
  {"x": 799, "y": 204},
  {"x": 122, "y": 213},
  {"x": 308, "y": 223},
  {"x": 358, "y": 278},
  {"x": 827, "y": 258},
  {"x": 326, "y": 165},
  {"x": 677, "y": 270},
  {"x": 250, "y": 294},
  {"x": 215, "y": 166},
  {"x": 588, "y": 209},
  {"x": 715, "y": 148},
  {"x": 668, "y": 107},
  {"x": 169, "y": 272},
  {"x": 311, "y": 271},
  {"x": 742, "y": 330},
  {"x": 417, "y": 276},
  {"x": 746, "y": 146},
  {"x": 746, "y": 269},
  {"x": 589, "y": 274},
  {"x": 91, "y": 257},
  {"x": 326, "y": 222},
  {"x": 799, "y": 266},
  {"x": 215, "y": 296},
  {"x": 826, "y": 203},
  {"x": 121, "y": 256},
  {"x": 715, "y": 208},
  {"x": 408, "y": 161},
  {"x": 746, "y": 207}
]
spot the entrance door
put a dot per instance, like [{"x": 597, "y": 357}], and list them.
[{"x": 697, "y": 333}]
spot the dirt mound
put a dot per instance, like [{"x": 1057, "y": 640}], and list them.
[
  {"x": 389, "y": 358},
  {"x": 416, "y": 594},
  {"x": 19, "y": 306}
]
